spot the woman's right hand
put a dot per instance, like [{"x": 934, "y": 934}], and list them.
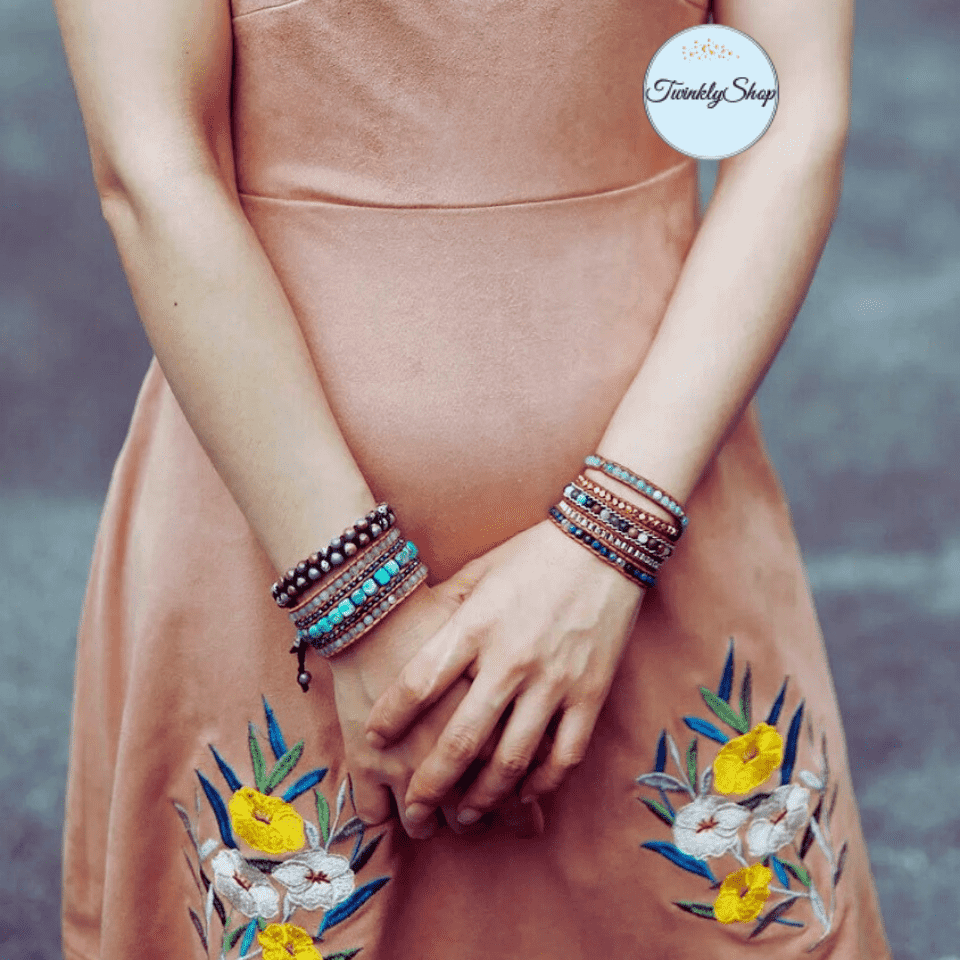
[{"x": 363, "y": 671}]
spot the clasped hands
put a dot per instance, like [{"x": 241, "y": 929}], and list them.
[{"x": 522, "y": 640}]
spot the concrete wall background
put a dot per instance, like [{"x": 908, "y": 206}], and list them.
[{"x": 859, "y": 412}]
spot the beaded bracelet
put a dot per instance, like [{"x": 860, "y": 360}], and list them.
[
  {"x": 610, "y": 537},
  {"x": 604, "y": 552},
  {"x": 311, "y": 609},
  {"x": 418, "y": 574},
  {"x": 630, "y": 510},
  {"x": 642, "y": 486},
  {"x": 633, "y": 531},
  {"x": 297, "y": 580},
  {"x": 348, "y": 603}
]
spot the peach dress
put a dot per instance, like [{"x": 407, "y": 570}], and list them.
[{"x": 479, "y": 232}]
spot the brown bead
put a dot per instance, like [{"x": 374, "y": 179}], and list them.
[
  {"x": 349, "y": 549},
  {"x": 363, "y": 539}
]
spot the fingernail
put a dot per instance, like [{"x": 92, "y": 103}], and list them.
[
  {"x": 375, "y": 740},
  {"x": 467, "y": 816},
  {"x": 417, "y": 812}
]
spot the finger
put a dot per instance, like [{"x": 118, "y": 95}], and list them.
[
  {"x": 372, "y": 802},
  {"x": 569, "y": 748},
  {"x": 513, "y": 756},
  {"x": 457, "y": 746},
  {"x": 422, "y": 682}
]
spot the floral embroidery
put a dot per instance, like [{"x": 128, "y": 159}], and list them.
[
  {"x": 778, "y": 829},
  {"x": 743, "y": 764},
  {"x": 248, "y": 889},
  {"x": 743, "y": 894},
  {"x": 267, "y": 823},
  {"x": 281, "y": 941}
]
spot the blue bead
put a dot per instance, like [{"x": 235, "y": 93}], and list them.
[
  {"x": 581, "y": 499},
  {"x": 314, "y": 631},
  {"x": 325, "y": 625},
  {"x": 381, "y": 576}
]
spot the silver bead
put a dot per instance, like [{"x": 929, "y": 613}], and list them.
[
  {"x": 375, "y": 529},
  {"x": 336, "y": 559},
  {"x": 349, "y": 549},
  {"x": 313, "y": 573}
]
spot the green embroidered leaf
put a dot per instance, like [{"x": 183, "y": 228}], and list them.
[
  {"x": 798, "y": 871},
  {"x": 745, "y": 695},
  {"x": 659, "y": 809},
  {"x": 323, "y": 815},
  {"x": 692, "y": 763},
  {"x": 698, "y": 909},
  {"x": 724, "y": 711},
  {"x": 261, "y": 923},
  {"x": 283, "y": 766},
  {"x": 256, "y": 757}
]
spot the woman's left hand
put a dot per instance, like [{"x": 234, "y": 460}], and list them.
[{"x": 544, "y": 626}]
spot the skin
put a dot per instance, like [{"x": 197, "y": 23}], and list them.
[
  {"x": 152, "y": 79},
  {"x": 560, "y": 652}
]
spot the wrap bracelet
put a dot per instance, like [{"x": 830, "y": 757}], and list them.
[
  {"x": 631, "y": 510},
  {"x": 635, "y": 532},
  {"x": 640, "y": 484},
  {"x": 299, "y": 579},
  {"x": 610, "y": 537},
  {"x": 604, "y": 552}
]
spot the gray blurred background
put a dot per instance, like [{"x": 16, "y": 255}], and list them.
[{"x": 859, "y": 412}]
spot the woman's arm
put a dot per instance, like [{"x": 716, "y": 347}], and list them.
[
  {"x": 547, "y": 640},
  {"x": 153, "y": 83}
]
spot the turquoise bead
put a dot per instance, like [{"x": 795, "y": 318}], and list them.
[
  {"x": 357, "y": 597},
  {"x": 412, "y": 547},
  {"x": 335, "y": 617},
  {"x": 346, "y": 607},
  {"x": 381, "y": 576},
  {"x": 392, "y": 567},
  {"x": 324, "y": 625},
  {"x": 369, "y": 587},
  {"x": 314, "y": 631}
]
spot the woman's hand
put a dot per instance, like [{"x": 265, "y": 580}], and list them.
[
  {"x": 542, "y": 630},
  {"x": 362, "y": 672}
]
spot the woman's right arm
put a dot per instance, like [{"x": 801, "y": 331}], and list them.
[{"x": 153, "y": 83}]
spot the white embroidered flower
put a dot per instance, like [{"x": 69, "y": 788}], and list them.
[
  {"x": 707, "y": 826},
  {"x": 316, "y": 879},
  {"x": 246, "y": 887},
  {"x": 777, "y": 819}
]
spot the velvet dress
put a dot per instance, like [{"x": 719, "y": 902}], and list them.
[{"x": 479, "y": 232}]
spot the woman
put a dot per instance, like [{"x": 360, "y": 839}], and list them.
[{"x": 434, "y": 255}]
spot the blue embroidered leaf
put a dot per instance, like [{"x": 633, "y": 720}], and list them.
[
  {"x": 362, "y": 858},
  {"x": 798, "y": 871},
  {"x": 658, "y": 809},
  {"x": 726, "y": 681},
  {"x": 782, "y": 907},
  {"x": 662, "y": 781},
  {"x": 247, "y": 942},
  {"x": 788, "y": 923},
  {"x": 723, "y": 710},
  {"x": 256, "y": 757},
  {"x": 790, "y": 751},
  {"x": 277, "y": 744},
  {"x": 350, "y": 829},
  {"x": 350, "y": 906},
  {"x": 233, "y": 781},
  {"x": 774, "y": 714},
  {"x": 198, "y": 926},
  {"x": 307, "y": 781},
  {"x": 698, "y": 909},
  {"x": 745, "y": 697},
  {"x": 667, "y": 804},
  {"x": 807, "y": 840},
  {"x": 323, "y": 815},
  {"x": 692, "y": 764},
  {"x": 230, "y": 939},
  {"x": 661, "y": 763},
  {"x": 706, "y": 728},
  {"x": 780, "y": 871},
  {"x": 751, "y": 803},
  {"x": 283, "y": 767},
  {"x": 219, "y": 811},
  {"x": 680, "y": 858}
]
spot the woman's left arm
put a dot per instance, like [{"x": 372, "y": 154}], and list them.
[{"x": 544, "y": 622}]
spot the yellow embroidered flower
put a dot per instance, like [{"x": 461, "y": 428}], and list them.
[
  {"x": 266, "y": 823},
  {"x": 745, "y": 762},
  {"x": 285, "y": 941},
  {"x": 741, "y": 897}
]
